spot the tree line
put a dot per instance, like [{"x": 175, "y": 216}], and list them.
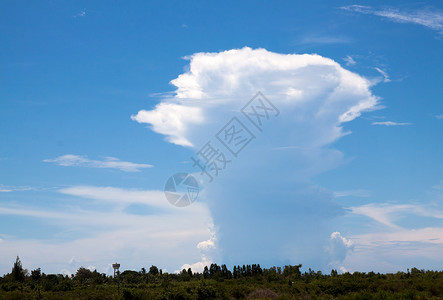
[{"x": 219, "y": 282}]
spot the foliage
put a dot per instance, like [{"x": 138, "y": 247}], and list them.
[
  {"x": 218, "y": 282},
  {"x": 18, "y": 274}
]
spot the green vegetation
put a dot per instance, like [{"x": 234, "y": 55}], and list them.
[{"x": 218, "y": 282}]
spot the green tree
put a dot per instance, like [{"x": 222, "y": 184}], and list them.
[
  {"x": 130, "y": 276},
  {"x": 36, "y": 274},
  {"x": 153, "y": 270},
  {"x": 294, "y": 271},
  {"x": 235, "y": 272},
  {"x": 18, "y": 274},
  {"x": 83, "y": 274},
  {"x": 206, "y": 272}
]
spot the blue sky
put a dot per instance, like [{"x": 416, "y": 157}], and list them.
[{"x": 101, "y": 102}]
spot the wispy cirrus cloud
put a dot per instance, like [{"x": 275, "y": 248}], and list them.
[
  {"x": 439, "y": 186},
  {"x": 394, "y": 249},
  {"x": 168, "y": 237},
  {"x": 390, "y": 123},
  {"x": 440, "y": 117},
  {"x": 119, "y": 197},
  {"x": 81, "y": 14},
  {"x": 8, "y": 189},
  {"x": 392, "y": 243},
  {"x": 352, "y": 193},
  {"x": 349, "y": 60},
  {"x": 324, "y": 39},
  {"x": 70, "y": 160},
  {"x": 388, "y": 213},
  {"x": 432, "y": 19},
  {"x": 384, "y": 74},
  {"x": 383, "y": 213}
]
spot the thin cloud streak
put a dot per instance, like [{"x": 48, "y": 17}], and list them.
[
  {"x": 186, "y": 235},
  {"x": 396, "y": 236},
  {"x": 9, "y": 189},
  {"x": 432, "y": 19},
  {"x": 387, "y": 213},
  {"x": 320, "y": 39},
  {"x": 390, "y": 123},
  {"x": 119, "y": 196},
  {"x": 349, "y": 60},
  {"x": 81, "y": 14},
  {"x": 70, "y": 160},
  {"x": 352, "y": 193},
  {"x": 384, "y": 74}
]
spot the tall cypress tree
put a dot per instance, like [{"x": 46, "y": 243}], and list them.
[{"x": 17, "y": 271}]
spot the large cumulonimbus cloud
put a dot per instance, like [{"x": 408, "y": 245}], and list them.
[
  {"x": 265, "y": 206},
  {"x": 311, "y": 89}
]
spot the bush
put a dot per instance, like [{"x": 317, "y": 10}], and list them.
[
  {"x": 206, "y": 292},
  {"x": 263, "y": 294}
]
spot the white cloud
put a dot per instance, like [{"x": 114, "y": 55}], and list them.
[
  {"x": 439, "y": 186},
  {"x": 118, "y": 196},
  {"x": 384, "y": 214},
  {"x": 388, "y": 213},
  {"x": 324, "y": 39},
  {"x": 396, "y": 249},
  {"x": 339, "y": 247},
  {"x": 392, "y": 246},
  {"x": 315, "y": 92},
  {"x": 208, "y": 251},
  {"x": 384, "y": 74},
  {"x": 101, "y": 234},
  {"x": 390, "y": 123},
  {"x": 70, "y": 160},
  {"x": 91, "y": 268},
  {"x": 81, "y": 14},
  {"x": 352, "y": 193},
  {"x": 171, "y": 119},
  {"x": 424, "y": 235},
  {"x": 8, "y": 189},
  {"x": 315, "y": 96},
  {"x": 440, "y": 117},
  {"x": 430, "y": 18},
  {"x": 349, "y": 60},
  {"x": 208, "y": 244},
  {"x": 198, "y": 266}
]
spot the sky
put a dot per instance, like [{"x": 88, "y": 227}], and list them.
[{"x": 313, "y": 130}]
